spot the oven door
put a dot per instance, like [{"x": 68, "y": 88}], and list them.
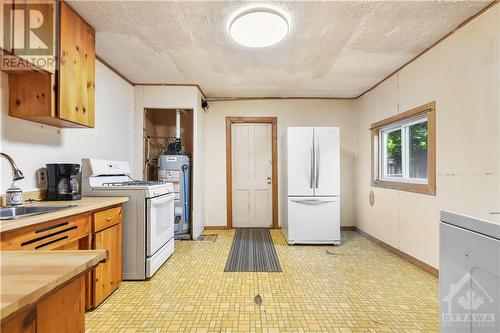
[{"x": 159, "y": 222}]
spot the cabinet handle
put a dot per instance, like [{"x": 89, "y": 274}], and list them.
[
  {"x": 34, "y": 240},
  {"x": 51, "y": 227},
  {"x": 51, "y": 242},
  {"x": 109, "y": 219}
]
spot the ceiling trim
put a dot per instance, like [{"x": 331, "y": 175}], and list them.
[
  {"x": 120, "y": 74},
  {"x": 232, "y": 99},
  {"x": 105, "y": 63},
  {"x": 174, "y": 85},
  {"x": 458, "y": 27}
]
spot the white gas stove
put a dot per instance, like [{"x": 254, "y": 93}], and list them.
[
  {"x": 148, "y": 216},
  {"x": 105, "y": 175}
]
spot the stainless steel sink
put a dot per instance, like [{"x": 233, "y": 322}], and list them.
[{"x": 12, "y": 213}]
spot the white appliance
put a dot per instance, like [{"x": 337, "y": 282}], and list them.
[
  {"x": 469, "y": 274},
  {"x": 313, "y": 185},
  {"x": 148, "y": 216}
]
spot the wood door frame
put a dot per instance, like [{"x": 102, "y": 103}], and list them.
[{"x": 229, "y": 162}]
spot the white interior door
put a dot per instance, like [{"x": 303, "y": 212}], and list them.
[
  {"x": 251, "y": 149},
  {"x": 327, "y": 165}
]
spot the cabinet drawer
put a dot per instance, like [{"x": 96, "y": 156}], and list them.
[
  {"x": 107, "y": 218},
  {"x": 47, "y": 236}
]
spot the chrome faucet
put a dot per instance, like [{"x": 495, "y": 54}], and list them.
[{"x": 16, "y": 173}]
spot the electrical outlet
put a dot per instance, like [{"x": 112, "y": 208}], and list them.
[{"x": 41, "y": 177}]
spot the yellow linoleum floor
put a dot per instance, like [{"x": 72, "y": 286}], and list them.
[{"x": 355, "y": 287}]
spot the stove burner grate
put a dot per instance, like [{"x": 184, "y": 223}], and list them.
[{"x": 135, "y": 183}]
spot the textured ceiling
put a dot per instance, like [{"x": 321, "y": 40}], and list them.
[{"x": 334, "y": 49}]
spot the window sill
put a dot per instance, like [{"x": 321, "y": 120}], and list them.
[{"x": 407, "y": 187}]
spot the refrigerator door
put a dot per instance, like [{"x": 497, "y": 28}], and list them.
[
  {"x": 327, "y": 163},
  {"x": 314, "y": 220},
  {"x": 300, "y": 161}
]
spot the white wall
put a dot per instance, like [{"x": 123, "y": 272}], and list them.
[
  {"x": 462, "y": 75},
  {"x": 339, "y": 113},
  {"x": 32, "y": 145},
  {"x": 174, "y": 97}
]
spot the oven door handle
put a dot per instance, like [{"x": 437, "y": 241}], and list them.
[{"x": 161, "y": 199}]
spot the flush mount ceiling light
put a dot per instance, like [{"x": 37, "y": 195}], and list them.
[{"x": 258, "y": 27}]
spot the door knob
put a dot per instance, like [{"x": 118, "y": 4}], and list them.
[{"x": 269, "y": 181}]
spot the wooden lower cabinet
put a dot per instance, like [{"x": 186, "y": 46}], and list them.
[
  {"x": 108, "y": 275},
  {"x": 100, "y": 230},
  {"x": 107, "y": 235},
  {"x": 61, "y": 311}
]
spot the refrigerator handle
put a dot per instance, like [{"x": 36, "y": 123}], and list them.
[
  {"x": 316, "y": 164},
  {"x": 313, "y": 159},
  {"x": 314, "y": 201}
]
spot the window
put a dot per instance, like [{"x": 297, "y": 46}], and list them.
[{"x": 403, "y": 151}]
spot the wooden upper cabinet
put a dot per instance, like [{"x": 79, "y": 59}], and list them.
[
  {"x": 77, "y": 69},
  {"x": 63, "y": 96}
]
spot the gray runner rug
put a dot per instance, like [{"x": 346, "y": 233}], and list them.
[{"x": 252, "y": 251}]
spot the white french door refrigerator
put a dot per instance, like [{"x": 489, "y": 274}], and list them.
[{"x": 313, "y": 185}]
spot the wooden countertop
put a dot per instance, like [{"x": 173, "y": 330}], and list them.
[
  {"x": 86, "y": 204},
  {"x": 27, "y": 276}
]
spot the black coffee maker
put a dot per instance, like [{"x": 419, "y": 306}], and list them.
[{"x": 63, "y": 181}]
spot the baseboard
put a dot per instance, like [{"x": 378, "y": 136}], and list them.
[
  {"x": 216, "y": 227},
  {"x": 426, "y": 267},
  {"x": 225, "y": 227},
  {"x": 348, "y": 228}
]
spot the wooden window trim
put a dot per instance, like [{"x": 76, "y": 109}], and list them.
[
  {"x": 229, "y": 173},
  {"x": 430, "y": 187}
]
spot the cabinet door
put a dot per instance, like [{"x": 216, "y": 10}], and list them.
[
  {"x": 77, "y": 68},
  {"x": 300, "y": 161},
  {"x": 30, "y": 95},
  {"x": 108, "y": 275}
]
